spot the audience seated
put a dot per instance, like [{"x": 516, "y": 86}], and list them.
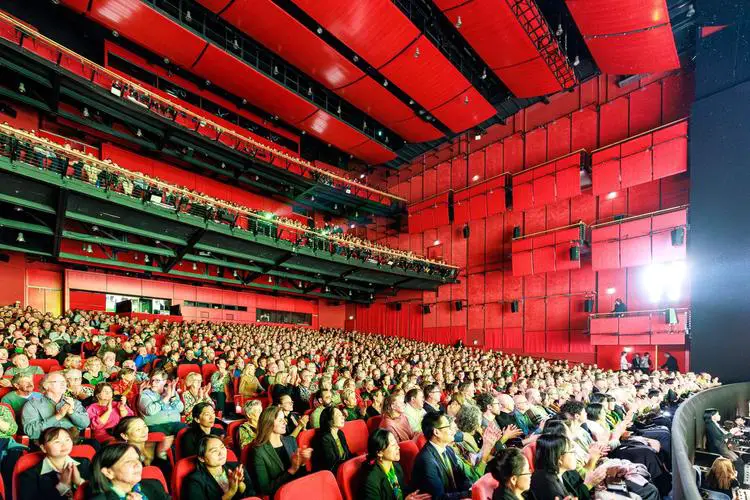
[
  {"x": 329, "y": 443},
  {"x": 202, "y": 425},
  {"x": 512, "y": 472},
  {"x": 57, "y": 475},
  {"x": 383, "y": 477},
  {"x": 722, "y": 477},
  {"x": 274, "y": 458},
  {"x": 437, "y": 469},
  {"x": 615, "y": 423},
  {"x": 117, "y": 475},
  {"x": 213, "y": 476},
  {"x": 717, "y": 438}
]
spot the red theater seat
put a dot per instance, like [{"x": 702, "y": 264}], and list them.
[
  {"x": 356, "y": 436},
  {"x": 373, "y": 423},
  {"x": 484, "y": 488},
  {"x": 304, "y": 440},
  {"x": 409, "y": 451},
  {"x": 183, "y": 370},
  {"x": 319, "y": 486},
  {"x": 348, "y": 476}
]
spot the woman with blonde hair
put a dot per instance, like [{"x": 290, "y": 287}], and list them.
[
  {"x": 194, "y": 394},
  {"x": 249, "y": 383},
  {"x": 722, "y": 477}
]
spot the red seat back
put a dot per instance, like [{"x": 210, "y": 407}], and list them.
[
  {"x": 153, "y": 472},
  {"x": 184, "y": 369},
  {"x": 409, "y": 451},
  {"x": 44, "y": 364},
  {"x": 373, "y": 423},
  {"x": 207, "y": 370},
  {"x": 304, "y": 440},
  {"x": 23, "y": 464},
  {"x": 182, "y": 469},
  {"x": 529, "y": 451},
  {"x": 319, "y": 486},
  {"x": 83, "y": 451},
  {"x": 348, "y": 475},
  {"x": 356, "y": 436},
  {"x": 233, "y": 433},
  {"x": 178, "y": 444},
  {"x": 421, "y": 441},
  {"x": 484, "y": 488}
]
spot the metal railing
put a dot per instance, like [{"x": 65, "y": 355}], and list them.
[
  {"x": 23, "y": 147},
  {"x": 136, "y": 93}
]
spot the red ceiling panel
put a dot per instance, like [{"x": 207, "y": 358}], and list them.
[
  {"x": 429, "y": 78},
  {"x": 627, "y": 37},
  {"x": 415, "y": 129},
  {"x": 328, "y": 128},
  {"x": 284, "y": 35},
  {"x": 494, "y": 31},
  {"x": 237, "y": 77},
  {"x": 375, "y": 29},
  {"x": 139, "y": 22},
  {"x": 459, "y": 115},
  {"x": 373, "y": 152}
]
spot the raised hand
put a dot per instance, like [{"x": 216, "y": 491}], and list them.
[
  {"x": 66, "y": 475},
  {"x": 418, "y": 496},
  {"x": 595, "y": 477}
]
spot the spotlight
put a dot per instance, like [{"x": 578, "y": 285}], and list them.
[
  {"x": 466, "y": 100},
  {"x": 89, "y": 249},
  {"x": 275, "y": 70},
  {"x": 352, "y": 226},
  {"x": 416, "y": 53},
  {"x": 338, "y": 109},
  {"x": 328, "y": 289},
  {"x": 299, "y": 284},
  {"x": 459, "y": 23},
  {"x": 270, "y": 279},
  {"x": 20, "y": 238},
  {"x": 335, "y": 206},
  {"x": 195, "y": 266},
  {"x": 484, "y": 74},
  {"x": 86, "y": 113},
  {"x": 22, "y": 88},
  {"x": 244, "y": 101},
  {"x": 611, "y": 291},
  {"x": 559, "y": 31},
  {"x": 115, "y": 34},
  {"x": 312, "y": 198},
  {"x": 385, "y": 83},
  {"x": 319, "y": 31},
  {"x": 188, "y": 17},
  {"x": 576, "y": 61},
  {"x": 411, "y": 102},
  {"x": 436, "y": 243},
  {"x": 94, "y": 228},
  {"x": 663, "y": 280},
  {"x": 355, "y": 58},
  {"x": 475, "y": 178},
  {"x": 477, "y": 136},
  {"x": 234, "y": 273},
  {"x": 691, "y": 11},
  {"x": 138, "y": 133},
  {"x": 361, "y": 176},
  {"x": 166, "y": 60},
  {"x": 348, "y": 191},
  {"x": 612, "y": 195},
  {"x": 146, "y": 259},
  {"x": 236, "y": 44},
  {"x": 309, "y": 91},
  {"x": 350, "y": 294},
  {"x": 208, "y": 83}
]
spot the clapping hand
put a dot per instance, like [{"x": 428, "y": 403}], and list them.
[
  {"x": 511, "y": 432},
  {"x": 595, "y": 477},
  {"x": 418, "y": 496},
  {"x": 66, "y": 475}
]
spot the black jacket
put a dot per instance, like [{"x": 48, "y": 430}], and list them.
[
  {"x": 35, "y": 486},
  {"x": 546, "y": 485},
  {"x": 326, "y": 453},
  {"x": 190, "y": 439},
  {"x": 269, "y": 473},
  {"x": 200, "y": 485},
  {"x": 151, "y": 488},
  {"x": 375, "y": 484},
  {"x": 503, "y": 493},
  {"x": 430, "y": 476}
]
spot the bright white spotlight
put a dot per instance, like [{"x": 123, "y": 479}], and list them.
[
  {"x": 665, "y": 281},
  {"x": 611, "y": 291}
]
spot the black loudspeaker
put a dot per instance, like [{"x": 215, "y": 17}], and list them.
[
  {"x": 588, "y": 305},
  {"x": 618, "y": 217},
  {"x": 514, "y": 306},
  {"x": 311, "y": 223},
  {"x": 459, "y": 305},
  {"x": 670, "y": 316},
  {"x": 467, "y": 231},
  {"x": 175, "y": 310},
  {"x": 575, "y": 253},
  {"x": 426, "y": 309},
  {"x": 678, "y": 236},
  {"x": 516, "y": 231},
  {"x": 397, "y": 306}
]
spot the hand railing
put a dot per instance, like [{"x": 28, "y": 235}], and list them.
[
  {"x": 133, "y": 92},
  {"x": 27, "y": 148}
]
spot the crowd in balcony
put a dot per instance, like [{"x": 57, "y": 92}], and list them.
[
  {"x": 250, "y": 409},
  {"x": 46, "y": 155}
]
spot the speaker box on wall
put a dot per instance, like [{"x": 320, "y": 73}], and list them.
[
  {"x": 588, "y": 305},
  {"x": 678, "y": 236},
  {"x": 514, "y": 306},
  {"x": 459, "y": 305},
  {"x": 425, "y": 309},
  {"x": 575, "y": 253},
  {"x": 516, "y": 231},
  {"x": 467, "y": 231},
  {"x": 397, "y": 306},
  {"x": 175, "y": 310}
]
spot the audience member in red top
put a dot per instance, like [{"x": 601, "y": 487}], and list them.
[{"x": 394, "y": 418}]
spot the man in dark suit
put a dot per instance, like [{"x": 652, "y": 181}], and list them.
[
  {"x": 436, "y": 469},
  {"x": 432, "y": 395}
]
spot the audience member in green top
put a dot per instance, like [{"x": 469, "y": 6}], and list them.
[
  {"x": 93, "y": 373},
  {"x": 24, "y": 390},
  {"x": 329, "y": 443},
  {"x": 21, "y": 366},
  {"x": 383, "y": 475},
  {"x": 323, "y": 399},
  {"x": 248, "y": 430}
]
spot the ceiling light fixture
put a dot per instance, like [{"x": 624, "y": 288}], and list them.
[
  {"x": 195, "y": 266},
  {"x": 20, "y": 238}
]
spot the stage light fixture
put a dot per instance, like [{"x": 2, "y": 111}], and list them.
[{"x": 20, "y": 238}]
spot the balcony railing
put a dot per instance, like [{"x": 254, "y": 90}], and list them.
[
  {"x": 26, "y": 148},
  {"x": 166, "y": 108}
]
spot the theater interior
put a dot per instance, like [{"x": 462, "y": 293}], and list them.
[{"x": 387, "y": 218}]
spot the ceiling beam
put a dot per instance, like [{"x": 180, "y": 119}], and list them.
[{"x": 192, "y": 241}]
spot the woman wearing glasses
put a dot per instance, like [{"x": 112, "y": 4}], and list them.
[
  {"x": 555, "y": 472},
  {"x": 383, "y": 476},
  {"x": 511, "y": 470}
]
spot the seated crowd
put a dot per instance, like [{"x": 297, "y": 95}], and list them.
[
  {"x": 46, "y": 154},
  {"x": 255, "y": 407}
]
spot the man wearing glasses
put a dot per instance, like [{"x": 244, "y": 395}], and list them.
[{"x": 436, "y": 468}]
